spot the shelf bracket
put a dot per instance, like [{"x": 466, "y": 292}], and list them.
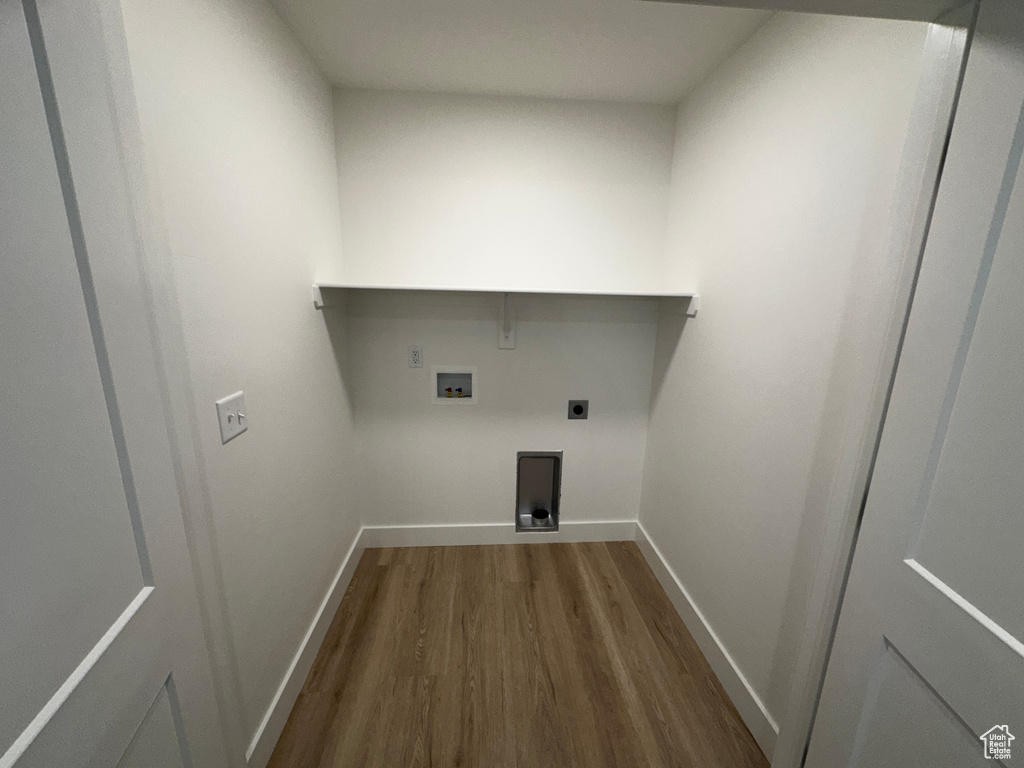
[
  {"x": 693, "y": 306},
  {"x": 318, "y": 298},
  {"x": 506, "y": 325}
]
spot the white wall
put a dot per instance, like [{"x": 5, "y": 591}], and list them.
[
  {"x": 783, "y": 178},
  {"x": 431, "y": 464},
  {"x": 478, "y": 191},
  {"x": 239, "y": 126}
]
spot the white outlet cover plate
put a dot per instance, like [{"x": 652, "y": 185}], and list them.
[
  {"x": 228, "y": 410},
  {"x": 415, "y": 357}
]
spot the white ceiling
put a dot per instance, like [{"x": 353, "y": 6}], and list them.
[{"x": 619, "y": 50}]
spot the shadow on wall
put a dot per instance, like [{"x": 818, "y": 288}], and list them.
[
  {"x": 671, "y": 322},
  {"x": 852, "y": 410},
  {"x": 336, "y": 319}
]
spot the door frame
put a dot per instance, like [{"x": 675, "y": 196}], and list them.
[{"x": 945, "y": 59}]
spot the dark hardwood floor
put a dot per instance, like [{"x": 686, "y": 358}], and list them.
[{"x": 530, "y": 655}]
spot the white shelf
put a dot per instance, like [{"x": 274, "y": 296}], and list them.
[
  {"x": 506, "y": 315},
  {"x": 318, "y": 299}
]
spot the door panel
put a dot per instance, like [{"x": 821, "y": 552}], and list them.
[
  {"x": 156, "y": 743},
  {"x": 903, "y": 714},
  {"x": 65, "y": 534},
  {"x": 979, "y": 464},
  {"x": 102, "y": 657},
  {"x": 927, "y": 655}
]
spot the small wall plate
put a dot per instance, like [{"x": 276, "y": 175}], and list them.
[
  {"x": 232, "y": 416},
  {"x": 578, "y": 409}
]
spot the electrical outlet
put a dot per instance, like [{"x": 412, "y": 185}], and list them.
[
  {"x": 232, "y": 416},
  {"x": 578, "y": 409},
  {"x": 415, "y": 357}
]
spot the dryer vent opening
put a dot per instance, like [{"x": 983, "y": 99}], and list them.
[{"x": 538, "y": 489}]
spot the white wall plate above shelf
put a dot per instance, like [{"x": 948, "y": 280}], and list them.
[{"x": 323, "y": 291}]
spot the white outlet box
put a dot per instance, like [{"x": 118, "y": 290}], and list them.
[
  {"x": 415, "y": 357},
  {"x": 232, "y": 416}
]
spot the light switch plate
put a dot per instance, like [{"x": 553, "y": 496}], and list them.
[{"x": 232, "y": 416}]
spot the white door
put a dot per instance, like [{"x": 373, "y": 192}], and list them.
[
  {"x": 928, "y": 655},
  {"x": 102, "y": 661}
]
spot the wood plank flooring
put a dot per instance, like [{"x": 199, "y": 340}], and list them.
[{"x": 529, "y": 655}]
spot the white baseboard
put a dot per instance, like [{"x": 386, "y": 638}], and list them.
[
  {"x": 764, "y": 729},
  {"x": 269, "y": 731},
  {"x": 494, "y": 533}
]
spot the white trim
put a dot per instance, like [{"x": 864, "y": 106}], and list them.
[
  {"x": 969, "y": 608},
  {"x": 34, "y": 728},
  {"x": 753, "y": 711},
  {"x": 269, "y": 731},
  {"x": 494, "y": 533}
]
